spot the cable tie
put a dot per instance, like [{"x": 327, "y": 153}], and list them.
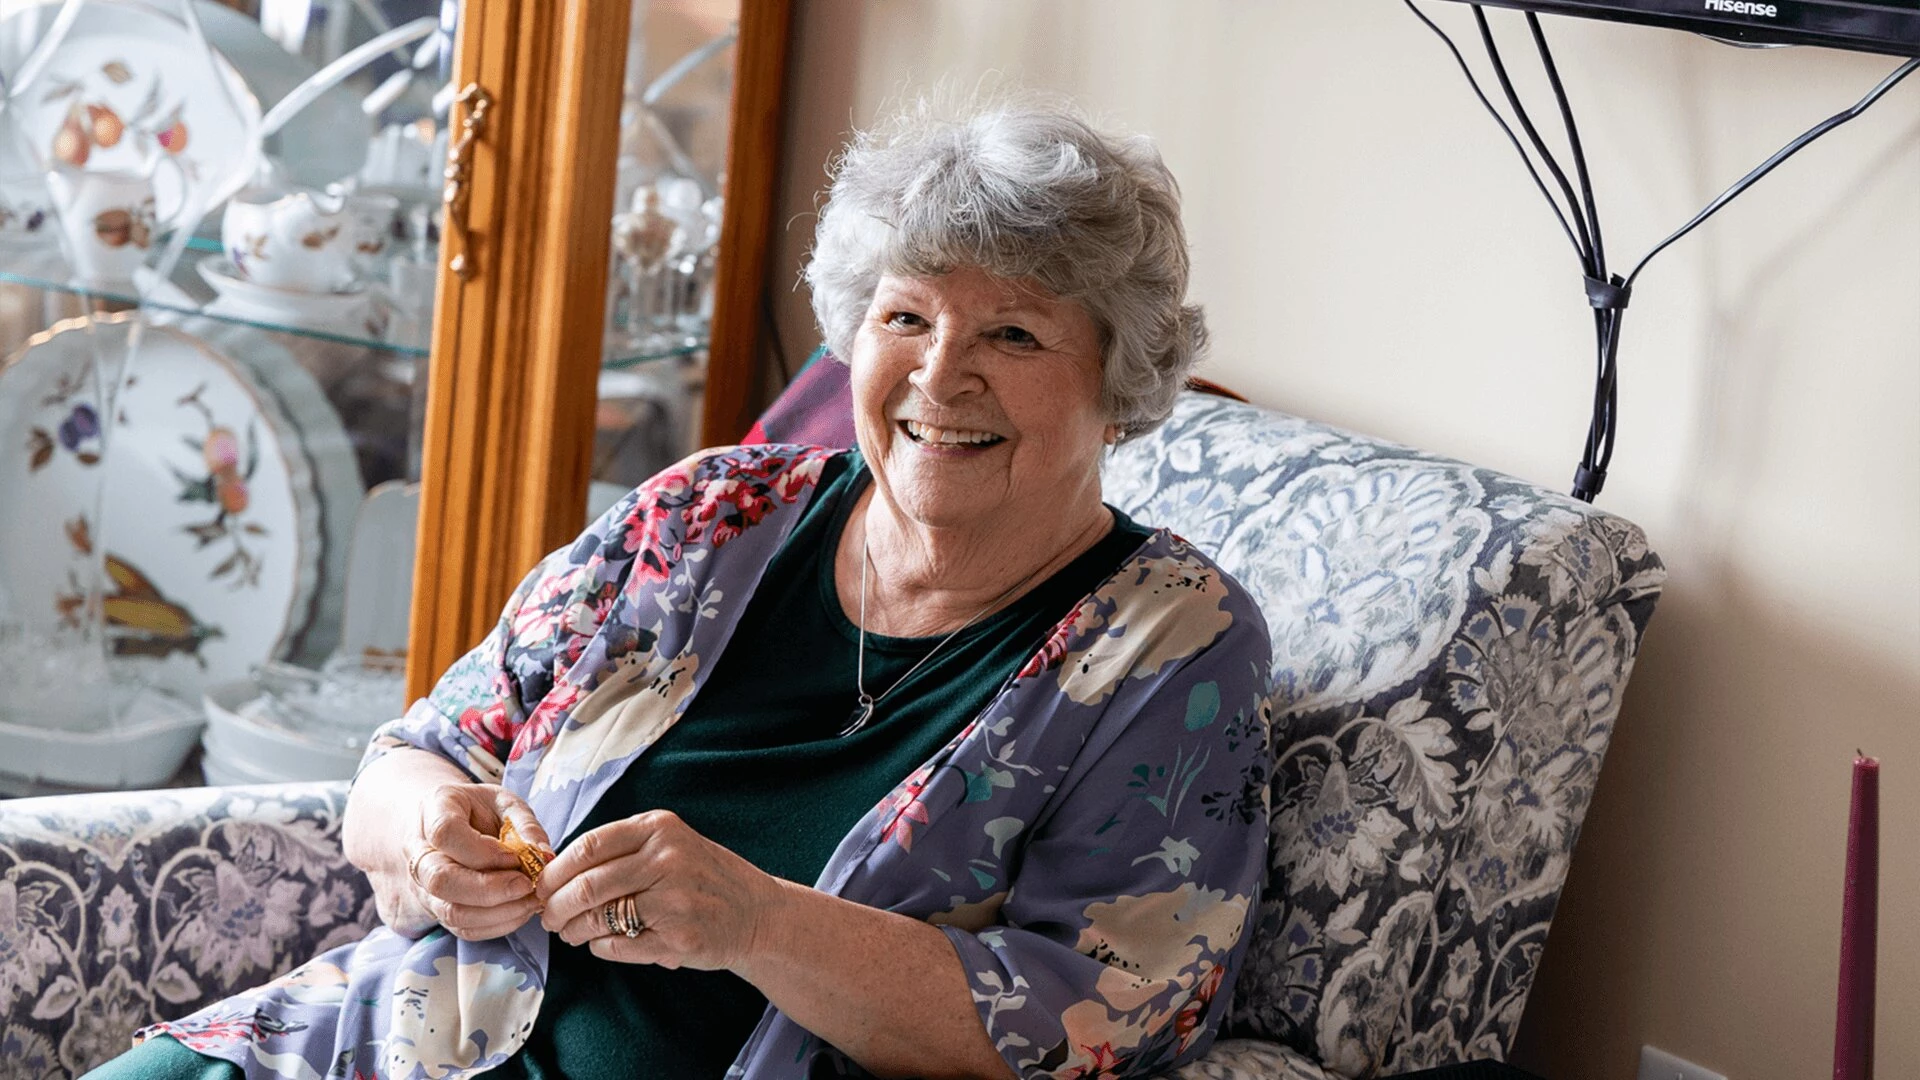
[
  {"x": 1609, "y": 295},
  {"x": 1588, "y": 482}
]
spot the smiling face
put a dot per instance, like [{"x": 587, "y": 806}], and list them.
[{"x": 977, "y": 403}]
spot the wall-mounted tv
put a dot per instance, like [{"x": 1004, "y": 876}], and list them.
[{"x": 1885, "y": 26}]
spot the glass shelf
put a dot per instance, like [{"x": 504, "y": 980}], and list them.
[
  {"x": 381, "y": 326},
  {"x": 619, "y": 357},
  {"x": 384, "y": 326}
]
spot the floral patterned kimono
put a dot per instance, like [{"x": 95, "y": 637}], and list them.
[{"x": 1092, "y": 843}]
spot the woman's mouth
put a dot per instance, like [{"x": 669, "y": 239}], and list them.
[{"x": 951, "y": 440}]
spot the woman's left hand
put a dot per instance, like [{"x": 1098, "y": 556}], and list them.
[{"x": 702, "y": 906}]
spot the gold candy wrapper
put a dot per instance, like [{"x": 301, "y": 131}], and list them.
[{"x": 532, "y": 859}]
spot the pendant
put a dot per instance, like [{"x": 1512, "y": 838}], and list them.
[{"x": 862, "y": 713}]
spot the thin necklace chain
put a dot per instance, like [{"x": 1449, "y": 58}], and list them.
[{"x": 863, "y": 712}]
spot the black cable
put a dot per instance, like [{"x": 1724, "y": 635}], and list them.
[
  {"x": 1533, "y": 135},
  {"x": 1613, "y": 398},
  {"x": 1498, "y": 119},
  {"x": 1600, "y": 429},
  {"x": 1597, "y": 431},
  {"x": 1606, "y": 416},
  {"x": 1597, "y": 249},
  {"x": 1598, "y": 447},
  {"x": 1609, "y": 294},
  {"x": 1784, "y": 153},
  {"x": 1607, "y": 298},
  {"x": 1752, "y": 177},
  {"x": 1603, "y": 426}
]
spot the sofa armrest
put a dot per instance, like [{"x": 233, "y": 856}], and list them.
[{"x": 123, "y": 908}]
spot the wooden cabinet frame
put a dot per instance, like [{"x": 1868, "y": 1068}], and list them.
[{"x": 512, "y": 379}]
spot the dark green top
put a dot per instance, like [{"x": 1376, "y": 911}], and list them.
[{"x": 757, "y": 765}]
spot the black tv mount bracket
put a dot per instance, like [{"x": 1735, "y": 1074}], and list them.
[{"x": 1607, "y": 293}]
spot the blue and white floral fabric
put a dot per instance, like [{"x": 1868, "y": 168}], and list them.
[
  {"x": 1450, "y": 647},
  {"x": 119, "y": 909}
]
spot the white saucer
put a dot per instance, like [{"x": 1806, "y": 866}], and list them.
[{"x": 340, "y": 308}]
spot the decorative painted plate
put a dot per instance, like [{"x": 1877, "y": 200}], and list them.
[
  {"x": 199, "y": 499},
  {"x": 318, "y": 430},
  {"x": 128, "y": 84}
]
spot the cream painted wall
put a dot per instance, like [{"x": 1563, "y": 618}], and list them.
[{"x": 1371, "y": 254}]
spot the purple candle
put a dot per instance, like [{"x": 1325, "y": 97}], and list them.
[{"x": 1859, "y": 927}]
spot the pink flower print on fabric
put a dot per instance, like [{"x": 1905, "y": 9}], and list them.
[
  {"x": 901, "y": 808},
  {"x": 491, "y": 726},
  {"x": 1051, "y": 653},
  {"x": 546, "y": 719}
]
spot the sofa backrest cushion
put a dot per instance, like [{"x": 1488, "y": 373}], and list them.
[{"x": 1450, "y": 645}]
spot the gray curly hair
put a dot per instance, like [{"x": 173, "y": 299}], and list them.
[{"x": 1021, "y": 190}]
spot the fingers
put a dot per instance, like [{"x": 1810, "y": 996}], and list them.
[
  {"x": 399, "y": 906},
  {"x": 592, "y": 923},
  {"x": 473, "y": 923},
  {"x": 456, "y": 821},
  {"x": 586, "y": 893},
  {"x": 447, "y": 880},
  {"x": 605, "y": 844},
  {"x": 647, "y": 948},
  {"x": 463, "y": 876},
  {"x": 585, "y": 926}
]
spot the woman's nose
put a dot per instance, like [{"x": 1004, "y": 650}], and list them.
[{"x": 945, "y": 371}]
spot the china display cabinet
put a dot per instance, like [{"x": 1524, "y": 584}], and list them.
[{"x": 321, "y": 321}]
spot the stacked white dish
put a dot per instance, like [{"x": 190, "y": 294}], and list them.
[
  {"x": 271, "y": 733},
  {"x": 155, "y": 734},
  {"x": 283, "y": 723}
]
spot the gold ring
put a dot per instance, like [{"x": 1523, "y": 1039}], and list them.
[
  {"x": 609, "y": 914},
  {"x": 413, "y": 866}
]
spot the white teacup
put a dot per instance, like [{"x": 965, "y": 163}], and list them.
[
  {"x": 288, "y": 238},
  {"x": 109, "y": 220}
]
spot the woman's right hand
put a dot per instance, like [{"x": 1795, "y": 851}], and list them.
[{"x": 458, "y": 874}]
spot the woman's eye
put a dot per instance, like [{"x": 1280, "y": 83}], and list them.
[
  {"x": 905, "y": 320},
  {"x": 1015, "y": 335}
]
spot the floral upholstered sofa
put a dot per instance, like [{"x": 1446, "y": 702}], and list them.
[{"x": 1450, "y": 649}]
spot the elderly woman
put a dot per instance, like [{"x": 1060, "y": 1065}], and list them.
[{"x": 913, "y": 760}]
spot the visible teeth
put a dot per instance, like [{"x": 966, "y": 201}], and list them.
[{"x": 951, "y": 436}]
